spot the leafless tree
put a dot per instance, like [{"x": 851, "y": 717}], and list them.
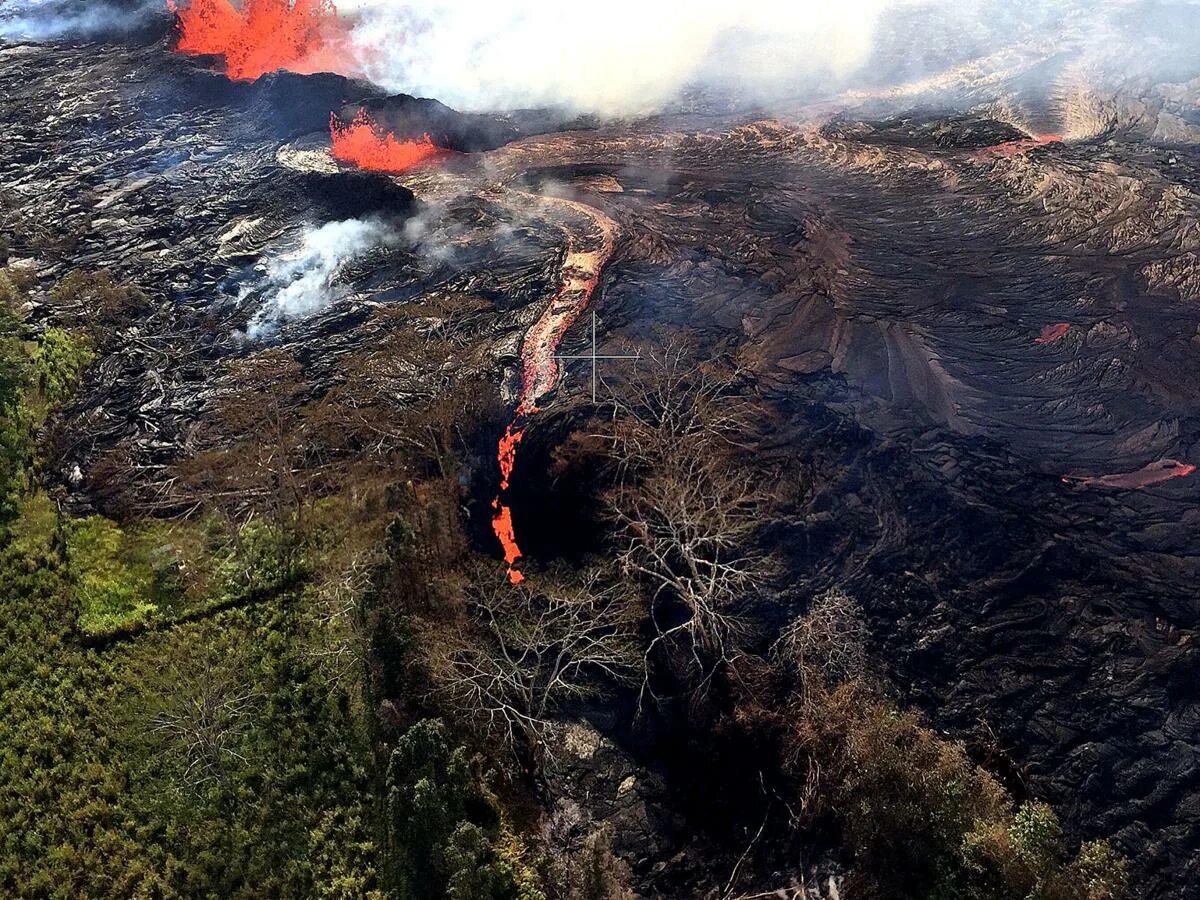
[
  {"x": 535, "y": 648},
  {"x": 688, "y": 509},
  {"x": 674, "y": 399},
  {"x": 820, "y": 650},
  {"x": 205, "y": 723},
  {"x": 341, "y": 647},
  {"x": 827, "y": 645}
]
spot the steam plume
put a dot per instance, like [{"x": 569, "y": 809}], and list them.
[
  {"x": 305, "y": 282},
  {"x": 52, "y": 20},
  {"x": 622, "y": 56},
  {"x": 635, "y": 56}
]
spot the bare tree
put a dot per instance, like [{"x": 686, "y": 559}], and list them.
[
  {"x": 827, "y": 645},
  {"x": 535, "y": 649},
  {"x": 342, "y": 646},
  {"x": 687, "y": 508},
  {"x": 205, "y": 723},
  {"x": 822, "y": 661}
]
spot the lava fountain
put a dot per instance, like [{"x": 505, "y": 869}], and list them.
[
  {"x": 361, "y": 144},
  {"x": 262, "y": 36},
  {"x": 539, "y": 366}
]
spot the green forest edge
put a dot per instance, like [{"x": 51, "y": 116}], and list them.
[{"x": 178, "y": 718}]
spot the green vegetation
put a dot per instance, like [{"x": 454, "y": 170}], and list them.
[
  {"x": 446, "y": 828},
  {"x": 185, "y": 706},
  {"x": 924, "y": 821},
  {"x": 294, "y": 694},
  {"x": 919, "y": 817},
  {"x": 58, "y": 359},
  {"x": 205, "y": 759},
  {"x": 151, "y": 573}
]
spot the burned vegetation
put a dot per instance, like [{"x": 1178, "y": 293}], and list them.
[{"x": 851, "y": 554}]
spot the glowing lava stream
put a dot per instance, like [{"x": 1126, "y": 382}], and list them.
[
  {"x": 1018, "y": 147},
  {"x": 1052, "y": 333},
  {"x": 1150, "y": 474},
  {"x": 539, "y": 369}
]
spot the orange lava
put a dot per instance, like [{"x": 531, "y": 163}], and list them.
[
  {"x": 1153, "y": 473},
  {"x": 360, "y": 144},
  {"x": 261, "y": 36},
  {"x": 506, "y": 453},
  {"x": 503, "y": 526},
  {"x": 539, "y": 371},
  {"x": 1024, "y": 145},
  {"x": 1052, "y": 333}
]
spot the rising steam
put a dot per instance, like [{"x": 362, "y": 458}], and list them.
[
  {"x": 636, "y": 56},
  {"x": 52, "y": 20},
  {"x": 622, "y": 56},
  {"x": 305, "y": 282}
]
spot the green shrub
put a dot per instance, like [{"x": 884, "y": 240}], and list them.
[
  {"x": 59, "y": 358},
  {"x": 1100, "y": 871},
  {"x": 445, "y": 827},
  {"x": 256, "y": 557},
  {"x": 1037, "y": 836},
  {"x": 114, "y": 587},
  {"x": 921, "y": 820},
  {"x": 908, "y": 801},
  {"x": 15, "y": 375}
]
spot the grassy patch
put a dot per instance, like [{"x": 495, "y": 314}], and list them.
[{"x": 209, "y": 759}]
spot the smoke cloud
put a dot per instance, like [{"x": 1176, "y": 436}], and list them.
[
  {"x": 305, "y": 282},
  {"x": 53, "y": 20},
  {"x": 628, "y": 57},
  {"x": 616, "y": 57},
  {"x": 632, "y": 57}
]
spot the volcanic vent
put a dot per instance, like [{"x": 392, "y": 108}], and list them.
[
  {"x": 941, "y": 318},
  {"x": 258, "y": 37}
]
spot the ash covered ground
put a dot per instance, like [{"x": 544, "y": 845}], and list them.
[{"x": 972, "y": 300}]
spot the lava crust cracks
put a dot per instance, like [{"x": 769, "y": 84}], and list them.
[{"x": 961, "y": 341}]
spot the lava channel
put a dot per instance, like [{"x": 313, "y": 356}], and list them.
[
  {"x": 539, "y": 368},
  {"x": 1017, "y": 148},
  {"x": 361, "y": 144},
  {"x": 262, "y": 36},
  {"x": 1151, "y": 474},
  {"x": 1052, "y": 333}
]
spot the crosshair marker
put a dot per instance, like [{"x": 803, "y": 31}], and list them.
[{"x": 594, "y": 356}]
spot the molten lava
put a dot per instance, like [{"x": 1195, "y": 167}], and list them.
[
  {"x": 1052, "y": 333},
  {"x": 360, "y": 144},
  {"x": 1016, "y": 148},
  {"x": 503, "y": 526},
  {"x": 262, "y": 36},
  {"x": 506, "y": 453},
  {"x": 1153, "y": 473},
  {"x": 539, "y": 371}
]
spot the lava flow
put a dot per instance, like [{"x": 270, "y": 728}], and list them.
[
  {"x": 360, "y": 144},
  {"x": 1024, "y": 145},
  {"x": 261, "y": 36},
  {"x": 539, "y": 371},
  {"x": 1153, "y": 473},
  {"x": 1052, "y": 333}
]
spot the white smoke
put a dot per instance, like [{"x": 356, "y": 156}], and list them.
[
  {"x": 53, "y": 20},
  {"x": 304, "y": 282},
  {"x": 627, "y": 57},
  {"x": 611, "y": 57},
  {"x": 620, "y": 57}
]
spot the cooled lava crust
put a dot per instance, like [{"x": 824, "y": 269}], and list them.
[{"x": 958, "y": 336}]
